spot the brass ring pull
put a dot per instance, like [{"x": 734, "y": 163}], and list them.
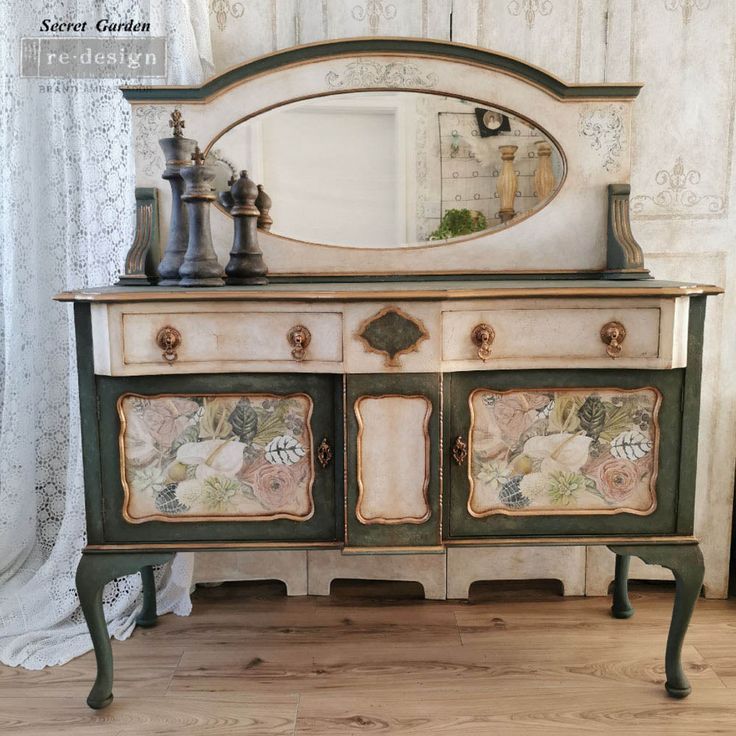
[
  {"x": 613, "y": 334},
  {"x": 459, "y": 450},
  {"x": 324, "y": 453},
  {"x": 483, "y": 336},
  {"x": 299, "y": 338},
  {"x": 168, "y": 339}
]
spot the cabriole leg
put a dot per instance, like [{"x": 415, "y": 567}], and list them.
[
  {"x": 621, "y": 607},
  {"x": 686, "y": 563},
  {"x": 148, "y": 617},
  {"x": 95, "y": 570}
]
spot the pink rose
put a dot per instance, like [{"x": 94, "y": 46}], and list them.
[
  {"x": 274, "y": 486},
  {"x": 616, "y": 478}
]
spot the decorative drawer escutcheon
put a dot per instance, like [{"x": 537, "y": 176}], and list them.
[
  {"x": 299, "y": 338},
  {"x": 563, "y": 451},
  {"x": 168, "y": 339},
  {"x": 483, "y": 336},
  {"x": 613, "y": 335},
  {"x": 216, "y": 457}
]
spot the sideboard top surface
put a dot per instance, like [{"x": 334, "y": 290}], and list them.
[{"x": 409, "y": 290}]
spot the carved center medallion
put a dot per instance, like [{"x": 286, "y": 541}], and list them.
[{"x": 393, "y": 333}]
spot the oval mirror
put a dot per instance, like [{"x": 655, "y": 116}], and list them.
[{"x": 391, "y": 169}]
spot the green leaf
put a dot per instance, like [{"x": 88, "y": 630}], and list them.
[{"x": 244, "y": 421}]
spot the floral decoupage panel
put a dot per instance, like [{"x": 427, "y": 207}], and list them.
[
  {"x": 235, "y": 456},
  {"x": 563, "y": 451}
]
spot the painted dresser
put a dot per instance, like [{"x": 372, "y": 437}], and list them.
[{"x": 528, "y": 383}]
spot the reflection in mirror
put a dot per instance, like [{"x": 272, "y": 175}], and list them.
[{"x": 391, "y": 169}]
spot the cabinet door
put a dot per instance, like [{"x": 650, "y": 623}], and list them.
[
  {"x": 393, "y": 441},
  {"x": 563, "y": 453},
  {"x": 227, "y": 457}
]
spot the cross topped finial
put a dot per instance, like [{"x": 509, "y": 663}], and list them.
[
  {"x": 198, "y": 157},
  {"x": 177, "y": 123}
]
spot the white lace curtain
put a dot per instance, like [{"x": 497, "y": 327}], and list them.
[{"x": 66, "y": 221}]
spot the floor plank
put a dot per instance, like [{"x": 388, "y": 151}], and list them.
[{"x": 512, "y": 662}]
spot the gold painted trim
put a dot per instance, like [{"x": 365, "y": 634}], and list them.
[
  {"x": 213, "y": 517},
  {"x": 446, "y": 544},
  {"x": 153, "y": 294},
  {"x": 359, "y": 465},
  {"x": 634, "y": 86},
  {"x": 433, "y": 549},
  {"x": 565, "y": 541},
  {"x": 570, "y": 512},
  {"x": 413, "y": 348},
  {"x": 422, "y": 245},
  {"x": 214, "y": 545}
]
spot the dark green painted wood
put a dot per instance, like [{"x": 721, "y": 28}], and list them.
[
  {"x": 621, "y": 607},
  {"x": 88, "y": 419},
  {"x": 624, "y": 256},
  {"x": 686, "y": 563},
  {"x": 401, "y": 535},
  {"x": 93, "y": 572},
  {"x": 691, "y": 416},
  {"x": 148, "y": 616},
  {"x": 321, "y": 527},
  {"x": 392, "y": 333},
  {"x": 460, "y": 524},
  {"x": 405, "y": 46}
]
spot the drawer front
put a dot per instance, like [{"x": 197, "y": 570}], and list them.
[
  {"x": 191, "y": 458},
  {"x": 583, "y": 336},
  {"x": 231, "y": 337},
  {"x": 209, "y": 338},
  {"x": 393, "y": 438},
  {"x": 572, "y": 452}
]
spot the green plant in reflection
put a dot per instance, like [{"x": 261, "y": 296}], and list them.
[{"x": 459, "y": 222}]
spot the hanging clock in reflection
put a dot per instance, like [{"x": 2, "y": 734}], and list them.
[{"x": 491, "y": 122}]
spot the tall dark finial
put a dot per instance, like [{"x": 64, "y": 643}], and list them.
[
  {"x": 197, "y": 157},
  {"x": 177, "y": 123}
]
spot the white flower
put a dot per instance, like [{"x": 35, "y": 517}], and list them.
[
  {"x": 564, "y": 451},
  {"x": 534, "y": 485},
  {"x": 212, "y": 457}
]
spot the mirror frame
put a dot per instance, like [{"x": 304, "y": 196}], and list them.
[{"x": 571, "y": 234}]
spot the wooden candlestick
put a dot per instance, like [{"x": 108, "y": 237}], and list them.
[
  {"x": 246, "y": 264},
  {"x": 200, "y": 266},
  {"x": 544, "y": 178},
  {"x": 177, "y": 151},
  {"x": 263, "y": 203},
  {"x": 507, "y": 183}
]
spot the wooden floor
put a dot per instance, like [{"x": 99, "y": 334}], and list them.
[{"x": 514, "y": 661}]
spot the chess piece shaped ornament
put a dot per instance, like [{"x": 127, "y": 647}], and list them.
[
  {"x": 177, "y": 151},
  {"x": 246, "y": 264},
  {"x": 200, "y": 266}
]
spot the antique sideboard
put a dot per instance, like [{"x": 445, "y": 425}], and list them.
[{"x": 522, "y": 383}]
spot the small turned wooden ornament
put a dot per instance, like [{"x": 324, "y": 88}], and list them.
[
  {"x": 544, "y": 178},
  {"x": 177, "y": 151},
  {"x": 200, "y": 266},
  {"x": 263, "y": 203},
  {"x": 246, "y": 264},
  {"x": 507, "y": 183}
]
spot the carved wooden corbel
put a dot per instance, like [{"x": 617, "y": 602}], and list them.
[
  {"x": 143, "y": 255},
  {"x": 625, "y": 259}
]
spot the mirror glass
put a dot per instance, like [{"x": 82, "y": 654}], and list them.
[{"x": 391, "y": 169}]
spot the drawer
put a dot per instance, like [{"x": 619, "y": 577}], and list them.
[
  {"x": 566, "y": 336},
  {"x": 217, "y": 341}
]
